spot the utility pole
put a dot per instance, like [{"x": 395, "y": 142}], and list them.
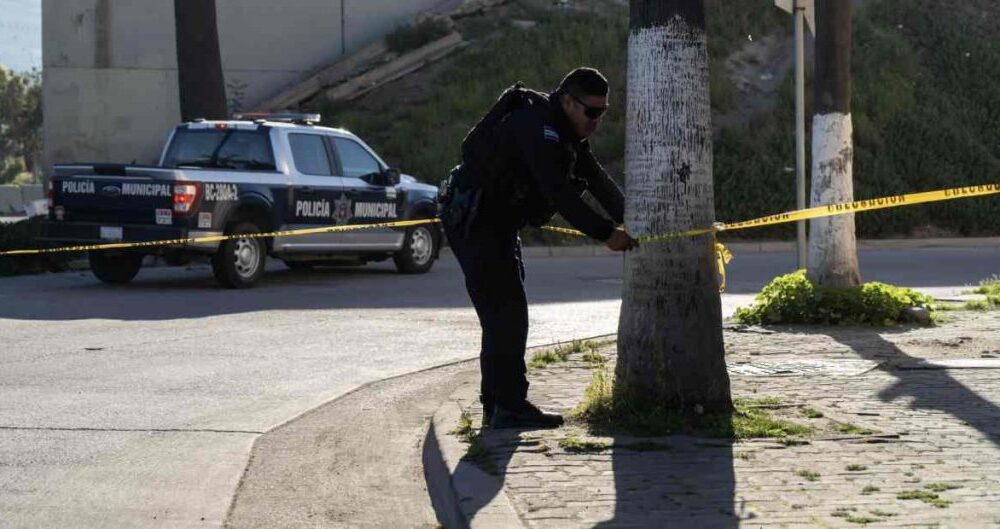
[{"x": 803, "y": 11}]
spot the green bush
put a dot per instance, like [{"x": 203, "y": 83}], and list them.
[
  {"x": 792, "y": 298},
  {"x": 407, "y": 38},
  {"x": 23, "y": 235},
  {"x": 925, "y": 106}
]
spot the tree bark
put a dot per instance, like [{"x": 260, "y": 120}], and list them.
[
  {"x": 199, "y": 62},
  {"x": 670, "y": 344},
  {"x": 833, "y": 254}
]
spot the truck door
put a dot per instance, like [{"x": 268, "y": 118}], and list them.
[
  {"x": 370, "y": 203},
  {"x": 319, "y": 197}
]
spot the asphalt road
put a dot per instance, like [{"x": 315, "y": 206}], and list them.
[{"x": 137, "y": 406}]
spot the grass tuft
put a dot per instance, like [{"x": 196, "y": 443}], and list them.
[
  {"x": 927, "y": 497},
  {"x": 851, "y": 429},
  {"x": 812, "y": 413},
  {"x": 478, "y": 452},
  {"x": 869, "y": 489},
  {"x": 606, "y": 408},
  {"x": 856, "y": 468},
  {"x": 809, "y": 475},
  {"x": 575, "y": 445},
  {"x": 941, "y": 487}
]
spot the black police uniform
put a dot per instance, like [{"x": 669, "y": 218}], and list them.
[{"x": 538, "y": 167}]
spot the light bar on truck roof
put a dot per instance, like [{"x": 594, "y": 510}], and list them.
[
  {"x": 220, "y": 125},
  {"x": 287, "y": 117}
]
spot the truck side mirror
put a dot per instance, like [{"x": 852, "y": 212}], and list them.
[{"x": 390, "y": 177}]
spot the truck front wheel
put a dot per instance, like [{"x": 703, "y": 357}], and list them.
[
  {"x": 239, "y": 263},
  {"x": 420, "y": 247},
  {"x": 115, "y": 268}
]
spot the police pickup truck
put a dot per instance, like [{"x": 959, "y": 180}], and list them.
[{"x": 248, "y": 175}]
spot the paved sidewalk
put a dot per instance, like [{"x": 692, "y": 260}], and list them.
[{"x": 920, "y": 428}]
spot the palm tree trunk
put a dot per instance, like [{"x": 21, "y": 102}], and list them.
[
  {"x": 199, "y": 62},
  {"x": 833, "y": 253},
  {"x": 670, "y": 344}
]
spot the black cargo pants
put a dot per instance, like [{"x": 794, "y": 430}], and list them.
[{"x": 490, "y": 258}]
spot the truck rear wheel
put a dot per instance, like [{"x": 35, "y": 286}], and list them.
[
  {"x": 115, "y": 268},
  {"x": 239, "y": 263},
  {"x": 420, "y": 248}
]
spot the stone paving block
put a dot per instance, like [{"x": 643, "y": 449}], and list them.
[{"x": 933, "y": 426}]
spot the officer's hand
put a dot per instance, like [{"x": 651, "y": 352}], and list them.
[{"x": 621, "y": 241}]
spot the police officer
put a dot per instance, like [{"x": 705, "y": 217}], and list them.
[{"x": 528, "y": 159}]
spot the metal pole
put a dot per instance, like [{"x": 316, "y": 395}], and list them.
[
  {"x": 343, "y": 28},
  {"x": 800, "y": 129}
]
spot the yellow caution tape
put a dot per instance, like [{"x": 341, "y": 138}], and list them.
[
  {"x": 722, "y": 258},
  {"x": 723, "y": 255},
  {"x": 866, "y": 205},
  {"x": 220, "y": 238},
  {"x": 781, "y": 218}
]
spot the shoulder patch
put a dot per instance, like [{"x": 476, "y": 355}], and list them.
[{"x": 550, "y": 134}]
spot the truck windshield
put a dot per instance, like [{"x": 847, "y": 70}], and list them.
[{"x": 221, "y": 149}]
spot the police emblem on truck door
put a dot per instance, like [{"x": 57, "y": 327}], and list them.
[{"x": 342, "y": 210}]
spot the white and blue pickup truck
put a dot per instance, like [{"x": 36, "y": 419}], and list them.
[{"x": 246, "y": 176}]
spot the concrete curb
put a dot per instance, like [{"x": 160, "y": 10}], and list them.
[
  {"x": 464, "y": 496},
  {"x": 592, "y": 250}
]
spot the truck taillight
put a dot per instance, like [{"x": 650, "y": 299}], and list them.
[
  {"x": 185, "y": 196},
  {"x": 50, "y": 194}
]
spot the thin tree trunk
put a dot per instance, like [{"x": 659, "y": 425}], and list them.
[
  {"x": 833, "y": 254},
  {"x": 670, "y": 345},
  {"x": 199, "y": 63}
]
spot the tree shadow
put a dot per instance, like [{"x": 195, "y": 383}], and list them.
[
  {"x": 688, "y": 482},
  {"x": 931, "y": 389},
  {"x": 677, "y": 481},
  {"x": 190, "y": 292}
]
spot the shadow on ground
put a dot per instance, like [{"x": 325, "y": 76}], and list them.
[
  {"x": 929, "y": 389},
  {"x": 686, "y": 483},
  {"x": 175, "y": 293}
]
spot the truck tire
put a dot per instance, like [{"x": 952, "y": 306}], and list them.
[
  {"x": 239, "y": 263},
  {"x": 115, "y": 268},
  {"x": 420, "y": 249}
]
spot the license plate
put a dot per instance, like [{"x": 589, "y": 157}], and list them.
[{"x": 111, "y": 233}]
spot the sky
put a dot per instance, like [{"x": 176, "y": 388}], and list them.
[{"x": 21, "y": 34}]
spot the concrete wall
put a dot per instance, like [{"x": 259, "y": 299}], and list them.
[
  {"x": 14, "y": 199},
  {"x": 110, "y": 66}
]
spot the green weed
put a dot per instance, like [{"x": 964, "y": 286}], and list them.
[
  {"x": 809, "y": 475},
  {"x": 812, "y": 413},
  {"x": 575, "y": 445},
  {"x": 851, "y": 429},
  {"x": 606, "y": 408},
  {"x": 927, "y": 497},
  {"x": 869, "y": 489},
  {"x": 941, "y": 487},
  {"x": 478, "y": 452}
]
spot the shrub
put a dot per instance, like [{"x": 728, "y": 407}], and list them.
[
  {"x": 792, "y": 298},
  {"x": 411, "y": 37},
  {"x": 23, "y": 235}
]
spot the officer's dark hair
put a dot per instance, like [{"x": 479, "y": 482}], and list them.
[{"x": 583, "y": 82}]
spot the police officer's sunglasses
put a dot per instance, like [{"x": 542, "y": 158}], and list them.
[{"x": 589, "y": 111}]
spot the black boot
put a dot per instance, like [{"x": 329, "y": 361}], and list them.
[{"x": 524, "y": 415}]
